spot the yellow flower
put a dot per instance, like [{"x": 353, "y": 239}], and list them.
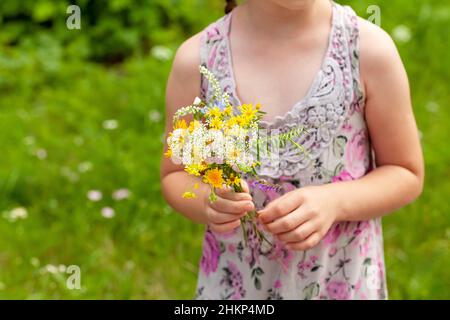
[
  {"x": 180, "y": 124},
  {"x": 234, "y": 180},
  {"x": 228, "y": 111},
  {"x": 248, "y": 111},
  {"x": 214, "y": 112},
  {"x": 214, "y": 178},
  {"x": 234, "y": 154},
  {"x": 195, "y": 169},
  {"x": 196, "y": 185},
  {"x": 189, "y": 195},
  {"x": 193, "y": 125},
  {"x": 243, "y": 121},
  {"x": 216, "y": 123},
  {"x": 231, "y": 122},
  {"x": 168, "y": 153}
]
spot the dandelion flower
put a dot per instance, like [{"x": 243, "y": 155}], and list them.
[
  {"x": 216, "y": 123},
  {"x": 234, "y": 180},
  {"x": 214, "y": 112},
  {"x": 214, "y": 178}
]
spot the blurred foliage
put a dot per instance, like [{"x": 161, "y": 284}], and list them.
[
  {"x": 69, "y": 124},
  {"x": 112, "y": 30}
]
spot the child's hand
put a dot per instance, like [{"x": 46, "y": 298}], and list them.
[
  {"x": 223, "y": 214},
  {"x": 302, "y": 217}
]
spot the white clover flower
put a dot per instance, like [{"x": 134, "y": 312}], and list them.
[
  {"x": 108, "y": 212},
  {"x": 121, "y": 194},
  {"x": 78, "y": 141},
  {"x": 35, "y": 262},
  {"x": 29, "y": 140},
  {"x": 401, "y": 33},
  {"x": 432, "y": 106},
  {"x": 85, "y": 166},
  {"x": 18, "y": 213},
  {"x": 51, "y": 268},
  {"x": 62, "y": 268},
  {"x": 41, "y": 154},
  {"x": 154, "y": 116},
  {"x": 110, "y": 124},
  {"x": 94, "y": 195},
  {"x": 161, "y": 53}
]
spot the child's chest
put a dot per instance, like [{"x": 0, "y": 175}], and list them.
[{"x": 277, "y": 78}]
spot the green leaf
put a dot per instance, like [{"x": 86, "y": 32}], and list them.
[
  {"x": 312, "y": 290},
  {"x": 339, "y": 146},
  {"x": 257, "y": 283}
]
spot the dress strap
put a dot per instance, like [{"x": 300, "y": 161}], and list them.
[{"x": 351, "y": 23}]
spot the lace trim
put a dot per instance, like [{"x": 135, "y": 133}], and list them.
[{"x": 334, "y": 94}]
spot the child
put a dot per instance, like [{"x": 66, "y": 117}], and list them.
[{"x": 310, "y": 63}]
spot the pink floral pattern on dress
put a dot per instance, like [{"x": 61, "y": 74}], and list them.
[
  {"x": 348, "y": 263},
  {"x": 211, "y": 254}
]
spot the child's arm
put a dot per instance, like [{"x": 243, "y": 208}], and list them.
[
  {"x": 182, "y": 88},
  {"x": 301, "y": 218}
]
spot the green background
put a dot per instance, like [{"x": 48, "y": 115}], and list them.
[{"x": 57, "y": 88}]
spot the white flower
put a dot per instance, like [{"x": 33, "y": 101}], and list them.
[
  {"x": 62, "y": 268},
  {"x": 51, "y": 268},
  {"x": 432, "y": 106},
  {"x": 85, "y": 166},
  {"x": 29, "y": 140},
  {"x": 110, "y": 124},
  {"x": 94, "y": 195},
  {"x": 161, "y": 53},
  {"x": 69, "y": 174},
  {"x": 401, "y": 33},
  {"x": 108, "y": 212},
  {"x": 34, "y": 262},
  {"x": 121, "y": 194},
  {"x": 41, "y": 154},
  {"x": 78, "y": 141},
  {"x": 18, "y": 213},
  {"x": 197, "y": 101},
  {"x": 154, "y": 116}
]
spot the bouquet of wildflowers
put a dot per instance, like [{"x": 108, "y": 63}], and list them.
[{"x": 220, "y": 144}]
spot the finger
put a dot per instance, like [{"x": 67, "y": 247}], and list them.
[
  {"x": 298, "y": 234},
  {"x": 245, "y": 187},
  {"x": 279, "y": 208},
  {"x": 225, "y": 227},
  {"x": 228, "y": 193},
  {"x": 306, "y": 244},
  {"x": 229, "y": 206},
  {"x": 217, "y": 217},
  {"x": 288, "y": 222}
]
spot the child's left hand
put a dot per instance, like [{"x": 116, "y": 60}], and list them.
[{"x": 302, "y": 217}]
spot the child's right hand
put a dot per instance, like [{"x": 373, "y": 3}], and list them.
[{"x": 223, "y": 215}]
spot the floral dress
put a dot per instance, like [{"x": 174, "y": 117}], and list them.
[{"x": 348, "y": 263}]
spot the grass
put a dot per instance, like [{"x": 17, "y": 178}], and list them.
[{"x": 55, "y": 148}]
